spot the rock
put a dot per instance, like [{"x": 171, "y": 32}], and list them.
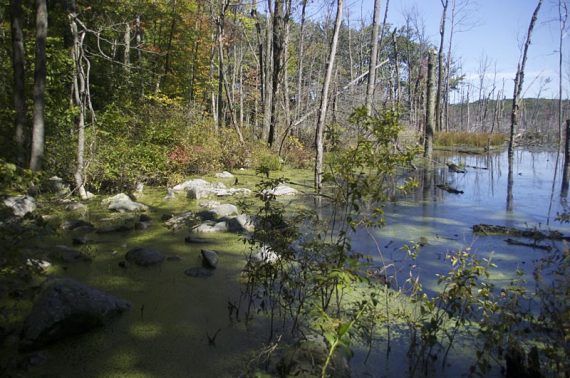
[
  {"x": 209, "y": 258},
  {"x": 142, "y": 225},
  {"x": 144, "y": 256},
  {"x": 265, "y": 255},
  {"x": 240, "y": 223},
  {"x": 66, "y": 254},
  {"x": 165, "y": 217},
  {"x": 21, "y": 205},
  {"x": 171, "y": 194},
  {"x": 114, "y": 228},
  {"x": 139, "y": 187},
  {"x": 82, "y": 240},
  {"x": 76, "y": 206},
  {"x": 219, "y": 211},
  {"x": 280, "y": 190},
  {"x": 179, "y": 221},
  {"x": 144, "y": 218},
  {"x": 88, "y": 195},
  {"x": 224, "y": 174},
  {"x": 198, "y": 272},
  {"x": 211, "y": 227},
  {"x": 187, "y": 185},
  {"x": 122, "y": 202},
  {"x": 66, "y": 307},
  {"x": 77, "y": 225},
  {"x": 55, "y": 185},
  {"x": 38, "y": 265}
]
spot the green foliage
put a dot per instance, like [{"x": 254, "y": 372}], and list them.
[{"x": 15, "y": 180}]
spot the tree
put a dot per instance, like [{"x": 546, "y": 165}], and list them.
[
  {"x": 519, "y": 80},
  {"x": 324, "y": 100},
  {"x": 18, "y": 64},
  {"x": 373, "y": 56},
  {"x": 40, "y": 74},
  {"x": 438, "y": 112},
  {"x": 430, "y": 107}
]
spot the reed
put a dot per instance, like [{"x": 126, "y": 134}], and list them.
[{"x": 469, "y": 139}]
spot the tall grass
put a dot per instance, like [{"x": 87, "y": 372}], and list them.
[{"x": 469, "y": 139}]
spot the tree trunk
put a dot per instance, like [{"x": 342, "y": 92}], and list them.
[
  {"x": 519, "y": 80},
  {"x": 324, "y": 100},
  {"x": 373, "y": 57},
  {"x": 18, "y": 64},
  {"x": 299, "y": 99},
  {"x": 268, "y": 99},
  {"x": 277, "y": 42},
  {"x": 438, "y": 112},
  {"x": 563, "y": 16},
  {"x": 40, "y": 73},
  {"x": 566, "y": 172},
  {"x": 79, "y": 94},
  {"x": 430, "y": 108}
]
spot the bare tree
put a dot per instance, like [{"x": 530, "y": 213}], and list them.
[
  {"x": 40, "y": 73},
  {"x": 430, "y": 108},
  {"x": 373, "y": 56},
  {"x": 18, "y": 64},
  {"x": 519, "y": 80},
  {"x": 444, "y": 4},
  {"x": 563, "y": 17},
  {"x": 324, "y": 100}
]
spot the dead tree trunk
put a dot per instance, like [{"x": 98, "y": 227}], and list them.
[
  {"x": 324, "y": 100},
  {"x": 566, "y": 172},
  {"x": 430, "y": 107},
  {"x": 373, "y": 56},
  {"x": 438, "y": 111},
  {"x": 519, "y": 80}
]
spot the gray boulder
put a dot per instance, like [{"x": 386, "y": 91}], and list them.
[
  {"x": 56, "y": 185},
  {"x": 187, "y": 185},
  {"x": 178, "y": 221},
  {"x": 64, "y": 308},
  {"x": 209, "y": 259},
  {"x": 211, "y": 227},
  {"x": 122, "y": 202},
  {"x": 144, "y": 256},
  {"x": 21, "y": 205},
  {"x": 77, "y": 225},
  {"x": 281, "y": 190},
  {"x": 240, "y": 223},
  {"x": 265, "y": 255},
  {"x": 218, "y": 211},
  {"x": 224, "y": 174}
]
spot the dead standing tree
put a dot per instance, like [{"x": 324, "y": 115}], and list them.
[
  {"x": 324, "y": 100},
  {"x": 519, "y": 80}
]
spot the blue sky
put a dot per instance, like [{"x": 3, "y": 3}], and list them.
[{"x": 495, "y": 29}]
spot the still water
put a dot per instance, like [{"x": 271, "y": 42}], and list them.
[{"x": 166, "y": 333}]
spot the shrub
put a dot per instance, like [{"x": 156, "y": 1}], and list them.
[{"x": 296, "y": 154}]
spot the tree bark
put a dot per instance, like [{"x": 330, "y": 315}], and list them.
[
  {"x": 299, "y": 99},
  {"x": 563, "y": 17},
  {"x": 40, "y": 73},
  {"x": 430, "y": 108},
  {"x": 18, "y": 64},
  {"x": 277, "y": 42},
  {"x": 324, "y": 100},
  {"x": 566, "y": 171},
  {"x": 373, "y": 57}
]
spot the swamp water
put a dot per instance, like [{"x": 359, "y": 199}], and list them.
[{"x": 166, "y": 332}]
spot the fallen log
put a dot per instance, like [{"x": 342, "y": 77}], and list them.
[{"x": 490, "y": 229}]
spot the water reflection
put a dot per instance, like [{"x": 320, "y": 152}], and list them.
[{"x": 443, "y": 221}]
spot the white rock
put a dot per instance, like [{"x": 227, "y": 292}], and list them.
[
  {"x": 21, "y": 205},
  {"x": 224, "y": 174},
  {"x": 281, "y": 190}
]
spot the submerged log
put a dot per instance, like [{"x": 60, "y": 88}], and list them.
[
  {"x": 490, "y": 229},
  {"x": 449, "y": 189},
  {"x": 531, "y": 245}
]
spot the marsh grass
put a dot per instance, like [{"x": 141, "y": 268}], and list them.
[{"x": 480, "y": 140}]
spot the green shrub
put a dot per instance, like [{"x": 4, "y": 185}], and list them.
[{"x": 296, "y": 154}]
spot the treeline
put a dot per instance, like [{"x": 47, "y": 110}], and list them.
[{"x": 151, "y": 89}]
